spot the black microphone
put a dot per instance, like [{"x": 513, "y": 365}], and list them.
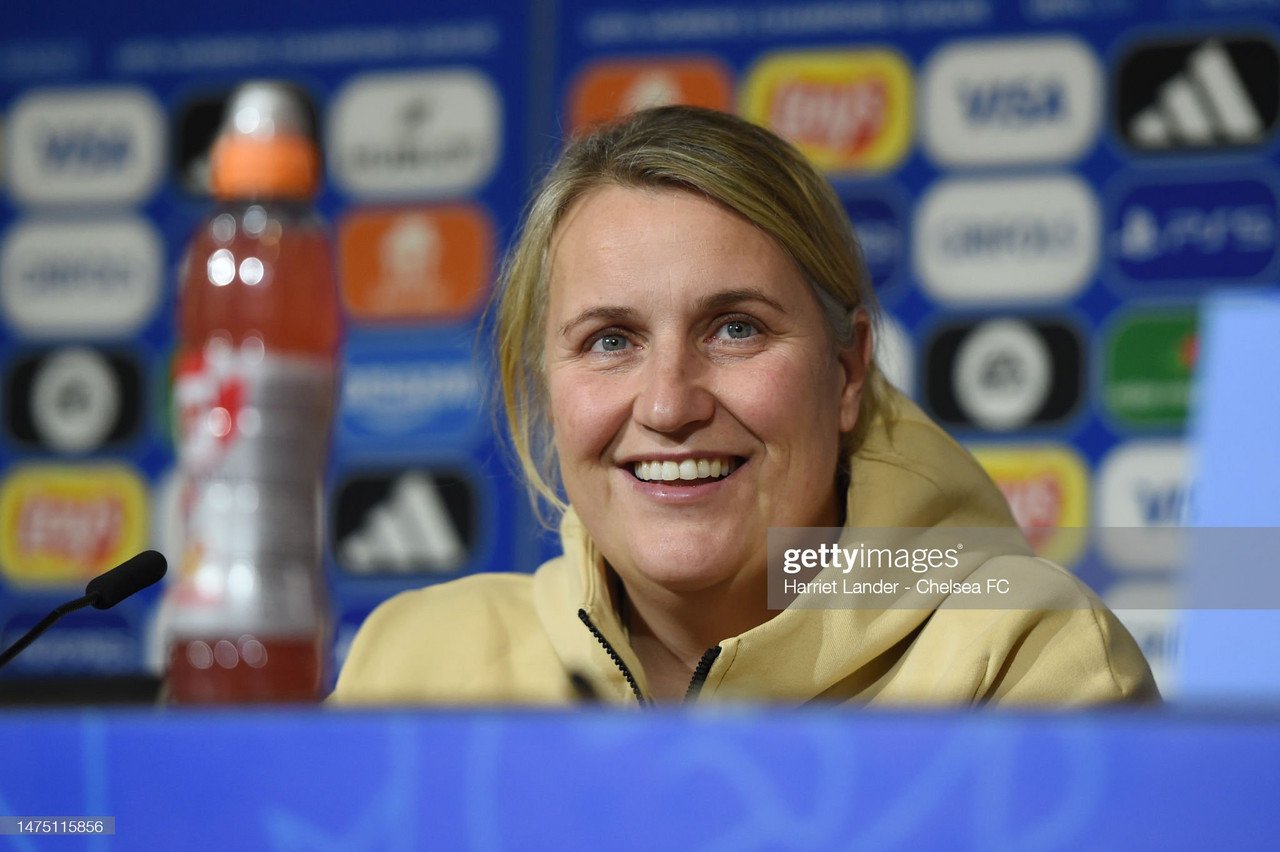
[
  {"x": 133, "y": 575},
  {"x": 103, "y": 592}
]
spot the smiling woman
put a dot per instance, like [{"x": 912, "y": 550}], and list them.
[{"x": 684, "y": 333}]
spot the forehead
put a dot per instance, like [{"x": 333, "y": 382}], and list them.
[{"x": 616, "y": 236}]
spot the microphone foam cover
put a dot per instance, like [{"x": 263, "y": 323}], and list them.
[{"x": 128, "y": 577}]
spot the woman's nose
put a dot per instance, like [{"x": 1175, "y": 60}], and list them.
[{"x": 674, "y": 395}]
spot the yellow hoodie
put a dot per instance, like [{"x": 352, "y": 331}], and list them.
[{"x": 554, "y": 637}]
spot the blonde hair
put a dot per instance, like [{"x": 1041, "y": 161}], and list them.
[{"x": 742, "y": 166}]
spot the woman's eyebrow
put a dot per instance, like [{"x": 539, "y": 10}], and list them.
[
  {"x": 603, "y": 313},
  {"x": 729, "y": 298}
]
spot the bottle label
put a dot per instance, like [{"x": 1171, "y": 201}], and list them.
[
  {"x": 239, "y": 407},
  {"x": 253, "y": 430}
]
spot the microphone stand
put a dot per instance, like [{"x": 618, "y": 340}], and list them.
[{"x": 44, "y": 624}]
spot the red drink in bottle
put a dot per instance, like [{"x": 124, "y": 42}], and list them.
[{"x": 247, "y": 617}]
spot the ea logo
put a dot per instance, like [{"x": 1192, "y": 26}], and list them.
[
  {"x": 75, "y": 400},
  {"x": 1002, "y": 374}
]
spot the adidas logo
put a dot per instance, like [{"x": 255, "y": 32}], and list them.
[
  {"x": 1215, "y": 93},
  {"x": 410, "y": 530}
]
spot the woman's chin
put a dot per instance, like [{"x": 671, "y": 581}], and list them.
[{"x": 689, "y": 570}]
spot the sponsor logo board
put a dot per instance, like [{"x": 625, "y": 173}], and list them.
[
  {"x": 85, "y": 146},
  {"x": 73, "y": 400},
  {"x": 430, "y": 134},
  {"x": 413, "y": 521},
  {"x": 1047, "y": 490},
  {"x": 1214, "y": 229},
  {"x": 1004, "y": 374},
  {"x": 100, "y": 278},
  {"x": 417, "y": 263},
  {"x": 66, "y": 524},
  {"x": 1011, "y": 102},
  {"x": 846, "y": 111},
  {"x": 1198, "y": 94},
  {"x": 1149, "y": 362},
  {"x": 1009, "y": 239},
  {"x": 608, "y": 89}
]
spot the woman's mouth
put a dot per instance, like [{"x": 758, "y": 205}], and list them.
[{"x": 685, "y": 471}]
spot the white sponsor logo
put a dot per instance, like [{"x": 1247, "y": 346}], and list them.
[
  {"x": 409, "y": 531},
  {"x": 75, "y": 400},
  {"x": 80, "y": 278},
  {"x": 1143, "y": 485},
  {"x": 1032, "y": 239},
  {"x": 86, "y": 146},
  {"x": 422, "y": 134},
  {"x": 1207, "y": 101},
  {"x": 1008, "y": 102},
  {"x": 393, "y": 398},
  {"x": 1002, "y": 374}
]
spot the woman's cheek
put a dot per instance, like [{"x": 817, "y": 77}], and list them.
[
  {"x": 586, "y": 412},
  {"x": 769, "y": 393}
]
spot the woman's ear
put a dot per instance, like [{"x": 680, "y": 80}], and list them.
[{"x": 855, "y": 361}]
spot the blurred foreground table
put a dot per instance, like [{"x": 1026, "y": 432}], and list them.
[{"x": 731, "y": 780}]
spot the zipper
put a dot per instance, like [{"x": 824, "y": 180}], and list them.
[
  {"x": 695, "y": 685},
  {"x": 700, "y": 673},
  {"x": 613, "y": 655}
]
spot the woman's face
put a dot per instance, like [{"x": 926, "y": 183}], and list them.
[{"x": 695, "y": 393}]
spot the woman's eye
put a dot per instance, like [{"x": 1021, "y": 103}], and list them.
[
  {"x": 609, "y": 343},
  {"x": 737, "y": 330}
]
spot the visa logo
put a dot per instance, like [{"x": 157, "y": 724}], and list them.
[
  {"x": 96, "y": 145},
  {"x": 1011, "y": 101},
  {"x": 81, "y": 150},
  {"x": 1014, "y": 103}
]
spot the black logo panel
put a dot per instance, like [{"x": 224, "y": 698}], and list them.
[
  {"x": 74, "y": 399},
  {"x": 1004, "y": 374},
  {"x": 1198, "y": 94},
  {"x": 414, "y": 521}
]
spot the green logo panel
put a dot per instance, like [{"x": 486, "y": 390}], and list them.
[{"x": 1149, "y": 362}]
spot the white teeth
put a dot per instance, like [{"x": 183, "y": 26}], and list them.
[{"x": 688, "y": 469}]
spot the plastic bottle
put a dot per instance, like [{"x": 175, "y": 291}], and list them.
[{"x": 247, "y": 618}]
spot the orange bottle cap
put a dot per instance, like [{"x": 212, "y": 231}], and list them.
[{"x": 280, "y": 166}]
